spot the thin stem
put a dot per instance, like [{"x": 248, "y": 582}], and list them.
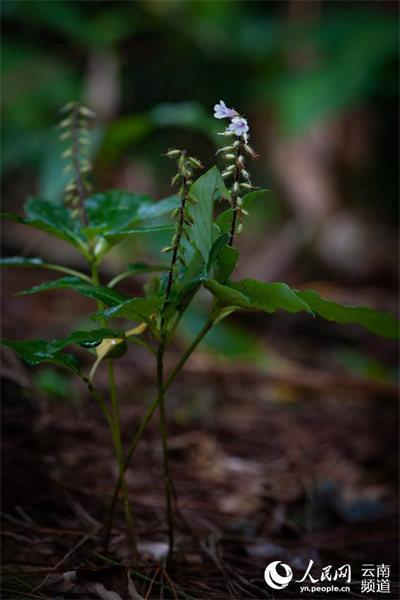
[
  {"x": 149, "y": 415},
  {"x": 164, "y": 439},
  {"x": 120, "y": 456},
  {"x": 116, "y": 430}
]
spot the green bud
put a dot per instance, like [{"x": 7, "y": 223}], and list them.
[
  {"x": 67, "y": 153},
  {"x": 239, "y": 228},
  {"x": 195, "y": 162},
  {"x": 65, "y": 136},
  {"x": 175, "y": 213},
  {"x": 175, "y": 179},
  {"x": 86, "y": 112},
  {"x": 167, "y": 249},
  {"x": 173, "y": 153},
  {"x": 182, "y": 260},
  {"x": 186, "y": 234}
]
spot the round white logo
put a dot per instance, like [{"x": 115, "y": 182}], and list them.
[{"x": 272, "y": 577}]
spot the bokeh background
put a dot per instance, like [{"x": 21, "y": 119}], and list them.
[{"x": 318, "y": 82}]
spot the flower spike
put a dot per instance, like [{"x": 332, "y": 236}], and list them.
[
  {"x": 76, "y": 126},
  {"x": 183, "y": 178},
  {"x": 235, "y": 155}
]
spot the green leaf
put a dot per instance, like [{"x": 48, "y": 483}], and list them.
[
  {"x": 203, "y": 190},
  {"x": 383, "y": 324},
  {"x": 21, "y": 261},
  {"x": 225, "y": 218},
  {"x": 97, "y": 292},
  {"x": 35, "y": 352},
  {"x": 216, "y": 249},
  {"x": 250, "y": 293},
  {"x": 86, "y": 339},
  {"x": 114, "y": 238},
  {"x": 135, "y": 309},
  {"x": 119, "y": 213},
  {"x": 225, "y": 264},
  {"x": 53, "y": 219}
]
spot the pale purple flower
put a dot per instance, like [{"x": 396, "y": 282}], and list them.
[
  {"x": 239, "y": 126},
  {"x": 223, "y": 112}
]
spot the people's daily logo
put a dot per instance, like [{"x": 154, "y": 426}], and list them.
[{"x": 274, "y": 579}]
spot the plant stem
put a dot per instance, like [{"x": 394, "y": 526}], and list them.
[
  {"x": 164, "y": 439},
  {"x": 116, "y": 431},
  {"x": 120, "y": 457},
  {"x": 149, "y": 415}
]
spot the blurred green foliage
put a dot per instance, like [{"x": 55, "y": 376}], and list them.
[{"x": 174, "y": 59}]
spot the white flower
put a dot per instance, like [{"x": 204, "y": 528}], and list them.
[
  {"x": 239, "y": 126},
  {"x": 223, "y": 112}
]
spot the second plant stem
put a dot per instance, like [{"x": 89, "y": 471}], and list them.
[
  {"x": 164, "y": 440},
  {"x": 116, "y": 434}
]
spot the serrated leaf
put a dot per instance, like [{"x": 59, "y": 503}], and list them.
[
  {"x": 203, "y": 190},
  {"x": 136, "y": 309},
  {"x": 102, "y": 293},
  {"x": 383, "y": 324},
  {"x": 116, "y": 214},
  {"x": 225, "y": 218},
  {"x": 53, "y": 219},
  {"x": 35, "y": 352},
  {"x": 250, "y": 293}
]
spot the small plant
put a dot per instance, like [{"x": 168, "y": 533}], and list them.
[{"x": 202, "y": 256}]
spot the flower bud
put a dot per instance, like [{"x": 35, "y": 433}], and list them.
[
  {"x": 173, "y": 153},
  {"x": 175, "y": 179},
  {"x": 250, "y": 151},
  {"x": 229, "y": 156},
  {"x": 167, "y": 249},
  {"x": 86, "y": 112},
  {"x": 195, "y": 162},
  {"x": 239, "y": 228},
  {"x": 175, "y": 213}
]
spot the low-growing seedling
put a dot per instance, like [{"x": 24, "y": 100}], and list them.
[{"x": 202, "y": 256}]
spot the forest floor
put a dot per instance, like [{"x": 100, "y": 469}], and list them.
[{"x": 294, "y": 469}]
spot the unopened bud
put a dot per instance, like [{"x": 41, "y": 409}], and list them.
[
  {"x": 175, "y": 213},
  {"x": 175, "y": 179},
  {"x": 167, "y": 249},
  {"x": 227, "y": 133},
  {"x": 240, "y": 160},
  {"x": 229, "y": 156},
  {"x": 239, "y": 202},
  {"x": 172, "y": 153},
  {"x": 195, "y": 162},
  {"x": 65, "y": 136},
  {"x": 245, "y": 174},
  {"x": 68, "y": 169},
  {"x": 236, "y": 187},
  {"x": 250, "y": 151},
  {"x": 239, "y": 228},
  {"x": 86, "y": 112}
]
